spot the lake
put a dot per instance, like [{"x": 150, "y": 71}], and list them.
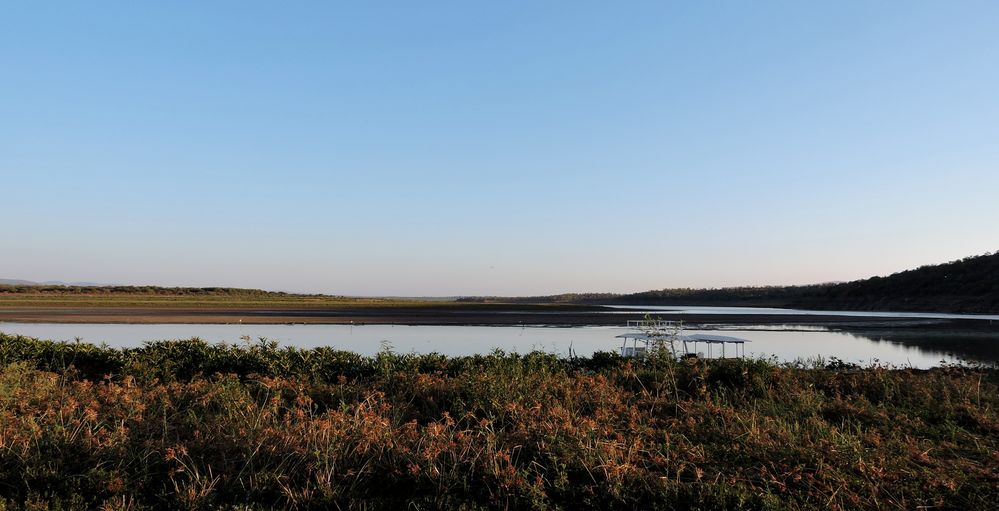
[{"x": 915, "y": 347}]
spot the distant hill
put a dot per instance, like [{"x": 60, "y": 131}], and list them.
[
  {"x": 18, "y": 282},
  {"x": 969, "y": 285},
  {"x": 966, "y": 285},
  {"x": 748, "y": 296},
  {"x": 87, "y": 289}
]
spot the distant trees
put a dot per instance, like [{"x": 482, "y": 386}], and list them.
[
  {"x": 968, "y": 285},
  {"x": 141, "y": 290}
]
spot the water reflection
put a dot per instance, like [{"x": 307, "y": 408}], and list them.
[
  {"x": 968, "y": 344},
  {"x": 916, "y": 347}
]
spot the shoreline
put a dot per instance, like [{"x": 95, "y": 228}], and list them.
[{"x": 443, "y": 316}]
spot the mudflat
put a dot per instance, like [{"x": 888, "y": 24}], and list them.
[
  {"x": 434, "y": 314},
  {"x": 275, "y": 308}
]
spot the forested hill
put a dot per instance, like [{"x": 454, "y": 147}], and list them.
[
  {"x": 760, "y": 296},
  {"x": 967, "y": 285}
]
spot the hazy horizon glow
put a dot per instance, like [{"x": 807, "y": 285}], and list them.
[{"x": 450, "y": 148}]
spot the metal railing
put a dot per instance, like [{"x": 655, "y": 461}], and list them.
[{"x": 654, "y": 325}]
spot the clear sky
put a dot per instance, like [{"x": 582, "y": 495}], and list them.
[{"x": 443, "y": 148}]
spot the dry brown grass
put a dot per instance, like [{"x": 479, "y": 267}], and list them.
[{"x": 485, "y": 432}]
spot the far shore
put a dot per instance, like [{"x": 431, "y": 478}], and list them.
[{"x": 436, "y": 314}]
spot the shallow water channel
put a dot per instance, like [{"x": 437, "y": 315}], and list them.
[{"x": 914, "y": 347}]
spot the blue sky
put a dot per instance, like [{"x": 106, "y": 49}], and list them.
[{"x": 443, "y": 148}]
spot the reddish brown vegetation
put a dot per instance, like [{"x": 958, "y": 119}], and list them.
[{"x": 497, "y": 432}]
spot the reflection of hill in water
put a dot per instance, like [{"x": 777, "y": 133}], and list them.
[{"x": 970, "y": 343}]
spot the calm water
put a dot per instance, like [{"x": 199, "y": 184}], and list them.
[{"x": 915, "y": 349}]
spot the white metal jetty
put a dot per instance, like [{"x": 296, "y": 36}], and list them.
[{"x": 658, "y": 334}]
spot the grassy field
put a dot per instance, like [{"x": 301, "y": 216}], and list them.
[
  {"x": 148, "y": 304},
  {"x": 110, "y": 297},
  {"x": 188, "y": 425},
  {"x": 13, "y": 297}
]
